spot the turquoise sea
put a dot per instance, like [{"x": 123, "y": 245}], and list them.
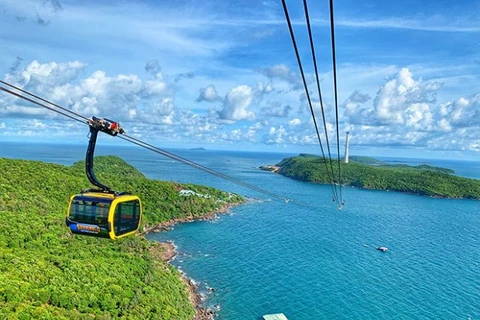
[{"x": 315, "y": 262}]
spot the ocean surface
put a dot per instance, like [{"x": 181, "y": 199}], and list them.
[{"x": 315, "y": 261}]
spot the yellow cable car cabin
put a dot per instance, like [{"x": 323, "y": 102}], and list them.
[
  {"x": 104, "y": 215},
  {"x": 103, "y": 212}
]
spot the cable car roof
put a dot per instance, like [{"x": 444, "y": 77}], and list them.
[{"x": 95, "y": 196}]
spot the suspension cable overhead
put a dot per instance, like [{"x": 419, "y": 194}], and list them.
[
  {"x": 79, "y": 116},
  {"x": 312, "y": 48},
  {"x": 82, "y": 119},
  {"x": 292, "y": 35},
  {"x": 199, "y": 166},
  {"x": 37, "y": 103},
  {"x": 334, "y": 65}
]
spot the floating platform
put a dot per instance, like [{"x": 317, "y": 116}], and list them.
[{"x": 276, "y": 316}]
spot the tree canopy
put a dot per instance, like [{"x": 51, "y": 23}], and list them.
[{"x": 48, "y": 273}]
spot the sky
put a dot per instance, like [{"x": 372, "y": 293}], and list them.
[{"x": 223, "y": 74}]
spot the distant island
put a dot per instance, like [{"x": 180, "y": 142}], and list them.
[
  {"x": 48, "y": 273},
  {"x": 369, "y": 173},
  {"x": 198, "y": 149}
]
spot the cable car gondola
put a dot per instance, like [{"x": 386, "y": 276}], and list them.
[{"x": 103, "y": 212}]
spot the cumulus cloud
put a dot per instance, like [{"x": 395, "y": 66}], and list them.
[
  {"x": 463, "y": 112},
  {"x": 294, "y": 122},
  {"x": 405, "y": 113},
  {"x": 163, "y": 107},
  {"x": 444, "y": 125},
  {"x": 208, "y": 94},
  {"x": 45, "y": 74},
  {"x": 402, "y": 100},
  {"x": 275, "y": 135},
  {"x": 397, "y": 95},
  {"x": 236, "y": 103},
  {"x": 419, "y": 116},
  {"x": 155, "y": 87},
  {"x": 123, "y": 97}
]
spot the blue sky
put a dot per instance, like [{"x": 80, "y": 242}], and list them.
[{"x": 223, "y": 74}]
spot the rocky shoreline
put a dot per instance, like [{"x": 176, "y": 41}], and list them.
[{"x": 169, "y": 251}]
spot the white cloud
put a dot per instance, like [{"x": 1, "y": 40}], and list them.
[
  {"x": 444, "y": 125},
  {"x": 23, "y": 111},
  {"x": 399, "y": 97},
  {"x": 295, "y": 122},
  {"x": 403, "y": 114},
  {"x": 259, "y": 125},
  {"x": 418, "y": 115},
  {"x": 275, "y": 135},
  {"x": 37, "y": 124},
  {"x": 209, "y": 94},
  {"x": 121, "y": 97},
  {"x": 392, "y": 97},
  {"x": 163, "y": 107},
  {"x": 431, "y": 24},
  {"x": 236, "y": 103},
  {"x": 45, "y": 74},
  {"x": 464, "y": 112},
  {"x": 155, "y": 87}
]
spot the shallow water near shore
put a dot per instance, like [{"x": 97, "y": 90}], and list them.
[{"x": 316, "y": 262}]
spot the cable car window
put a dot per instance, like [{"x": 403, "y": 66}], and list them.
[
  {"x": 127, "y": 217},
  {"x": 85, "y": 211}
]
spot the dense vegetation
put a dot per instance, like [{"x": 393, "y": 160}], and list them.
[
  {"x": 47, "y": 273},
  {"x": 375, "y": 162},
  {"x": 373, "y": 174}
]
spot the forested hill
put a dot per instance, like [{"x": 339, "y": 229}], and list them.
[
  {"x": 370, "y": 173},
  {"x": 48, "y": 273}
]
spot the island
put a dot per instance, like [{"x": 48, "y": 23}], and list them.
[
  {"x": 49, "y": 273},
  {"x": 369, "y": 173}
]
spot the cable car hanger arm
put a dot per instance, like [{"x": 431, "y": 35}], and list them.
[{"x": 107, "y": 126}]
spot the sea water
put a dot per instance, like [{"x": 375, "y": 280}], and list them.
[{"x": 306, "y": 258}]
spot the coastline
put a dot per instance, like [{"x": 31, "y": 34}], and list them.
[{"x": 168, "y": 252}]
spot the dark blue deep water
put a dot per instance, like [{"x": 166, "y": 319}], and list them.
[{"x": 316, "y": 262}]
